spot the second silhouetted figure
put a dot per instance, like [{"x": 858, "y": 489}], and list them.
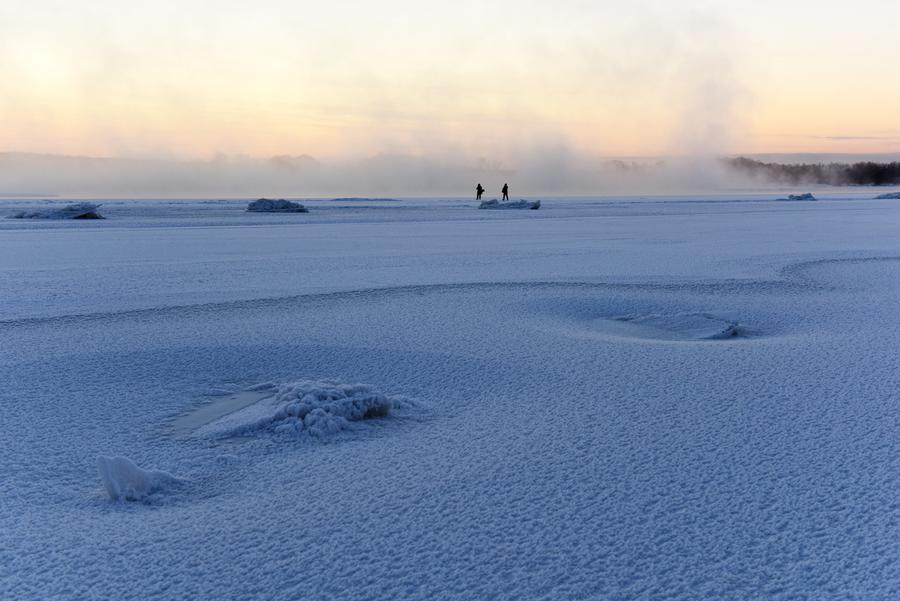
[
  {"x": 478, "y": 192},
  {"x": 505, "y": 191}
]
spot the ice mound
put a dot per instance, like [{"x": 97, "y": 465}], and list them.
[
  {"x": 806, "y": 196},
  {"x": 306, "y": 409},
  {"x": 675, "y": 326},
  {"x": 80, "y": 210},
  {"x": 267, "y": 205},
  {"x": 889, "y": 196},
  {"x": 512, "y": 204},
  {"x": 125, "y": 481}
]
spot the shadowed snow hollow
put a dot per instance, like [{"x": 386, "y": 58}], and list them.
[
  {"x": 304, "y": 409},
  {"x": 674, "y": 326}
]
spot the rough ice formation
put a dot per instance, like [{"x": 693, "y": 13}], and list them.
[
  {"x": 80, "y": 210},
  {"x": 889, "y": 196},
  {"x": 315, "y": 409},
  {"x": 681, "y": 326},
  {"x": 125, "y": 481},
  {"x": 806, "y": 196},
  {"x": 267, "y": 205},
  {"x": 512, "y": 204}
]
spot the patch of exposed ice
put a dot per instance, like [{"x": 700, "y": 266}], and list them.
[
  {"x": 806, "y": 196},
  {"x": 80, "y": 210},
  {"x": 268, "y": 205},
  {"x": 889, "y": 196},
  {"x": 125, "y": 481},
  {"x": 512, "y": 204},
  {"x": 673, "y": 326},
  {"x": 306, "y": 408}
]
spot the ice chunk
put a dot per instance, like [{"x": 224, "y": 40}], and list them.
[
  {"x": 125, "y": 481},
  {"x": 806, "y": 196},
  {"x": 889, "y": 196},
  {"x": 512, "y": 204},
  {"x": 307, "y": 408},
  {"x": 80, "y": 210},
  {"x": 267, "y": 205}
]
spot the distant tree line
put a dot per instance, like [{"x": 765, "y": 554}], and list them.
[{"x": 835, "y": 174}]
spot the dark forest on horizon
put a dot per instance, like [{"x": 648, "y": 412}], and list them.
[{"x": 865, "y": 173}]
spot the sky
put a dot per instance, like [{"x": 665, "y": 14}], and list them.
[{"x": 493, "y": 81}]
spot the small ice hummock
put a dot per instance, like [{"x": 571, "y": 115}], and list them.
[
  {"x": 510, "y": 204},
  {"x": 268, "y": 205},
  {"x": 79, "y": 210},
  {"x": 125, "y": 481},
  {"x": 806, "y": 196},
  {"x": 888, "y": 196},
  {"x": 306, "y": 409}
]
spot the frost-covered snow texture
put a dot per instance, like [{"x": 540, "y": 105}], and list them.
[
  {"x": 557, "y": 453},
  {"x": 889, "y": 196},
  {"x": 805, "y": 196},
  {"x": 511, "y": 204},
  {"x": 267, "y": 205},
  {"x": 306, "y": 409},
  {"x": 125, "y": 481},
  {"x": 80, "y": 210}
]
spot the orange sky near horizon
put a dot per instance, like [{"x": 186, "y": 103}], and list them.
[{"x": 191, "y": 79}]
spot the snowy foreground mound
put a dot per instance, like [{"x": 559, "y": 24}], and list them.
[
  {"x": 512, "y": 204},
  {"x": 307, "y": 409},
  {"x": 81, "y": 210},
  {"x": 806, "y": 196},
  {"x": 267, "y": 205},
  {"x": 125, "y": 481},
  {"x": 889, "y": 196}
]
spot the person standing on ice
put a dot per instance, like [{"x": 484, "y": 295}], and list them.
[
  {"x": 478, "y": 192},
  {"x": 505, "y": 191}
]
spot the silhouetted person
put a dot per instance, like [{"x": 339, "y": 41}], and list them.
[
  {"x": 478, "y": 192},
  {"x": 505, "y": 191}
]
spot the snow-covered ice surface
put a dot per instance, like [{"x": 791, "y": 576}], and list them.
[{"x": 576, "y": 429}]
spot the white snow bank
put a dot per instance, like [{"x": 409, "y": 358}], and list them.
[
  {"x": 512, "y": 204},
  {"x": 806, "y": 196},
  {"x": 889, "y": 196},
  {"x": 307, "y": 408},
  {"x": 267, "y": 205},
  {"x": 80, "y": 210},
  {"x": 125, "y": 481}
]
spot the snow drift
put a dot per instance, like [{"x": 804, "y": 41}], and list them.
[
  {"x": 81, "y": 210},
  {"x": 267, "y": 205},
  {"x": 125, "y": 481},
  {"x": 512, "y": 204},
  {"x": 307, "y": 408}
]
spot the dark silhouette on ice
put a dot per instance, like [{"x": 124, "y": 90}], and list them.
[
  {"x": 505, "y": 191},
  {"x": 478, "y": 192}
]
